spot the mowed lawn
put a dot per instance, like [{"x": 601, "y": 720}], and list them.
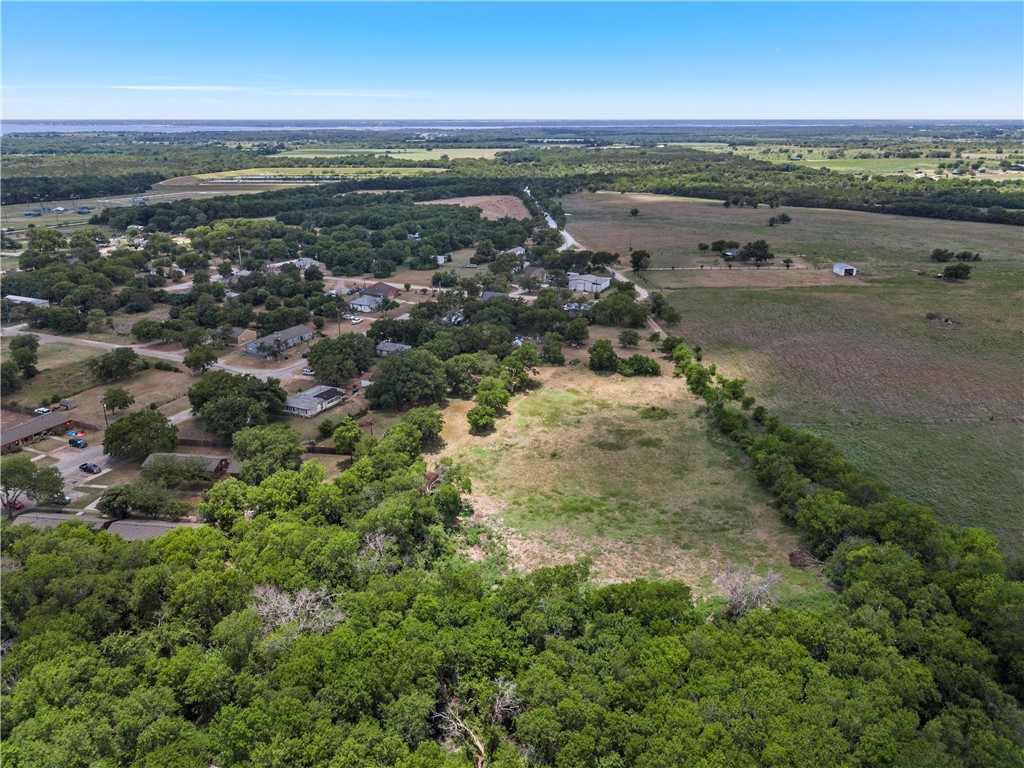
[
  {"x": 934, "y": 408},
  {"x": 621, "y": 471}
]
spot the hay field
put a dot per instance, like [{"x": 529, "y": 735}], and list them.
[
  {"x": 933, "y": 408},
  {"x": 491, "y": 206},
  {"x": 328, "y": 173},
  {"x": 620, "y": 470}
]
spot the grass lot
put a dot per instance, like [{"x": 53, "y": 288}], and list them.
[
  {"x": 619, "y": 470},
  {"x": 330, "y": 173},
  {"x": 8, "y": 262},
  {"x": 418, "y": 153}
]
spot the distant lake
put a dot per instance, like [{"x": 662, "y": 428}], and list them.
[{"x": 196, "y": 126}]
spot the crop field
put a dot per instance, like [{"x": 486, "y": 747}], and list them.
[
  {"x": 620, "y": 470},
  {"x": 419, "y": 153},
  {"x": 931, "y": 405},
  {"x": 329, "y": 173}
]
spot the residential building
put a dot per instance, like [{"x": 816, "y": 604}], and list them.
[
  {"x": 313, "y": 401},
  {"x": 240, "y": 336},
  {"x": 280, "y": 340},
  {"x": 27, "y": 300},
  {"x": 212, "y": 464},
  {"x": 29, "y": 430},
  {"x": 366, "y": 303},
  {"x": 386, "y": 348},
  {"x": 383, "y": 290}
]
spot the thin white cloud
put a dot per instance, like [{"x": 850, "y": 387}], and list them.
[
  {"x": 307, "y": 92},
  {"x": 175, "y": 88}
]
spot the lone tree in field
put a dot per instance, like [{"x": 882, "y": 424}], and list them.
[
  {"x": 629, "y": 339},
  {"x": 20, "y": 476},
  {"x": 481, "y": 418},
  {"x": 116, "y": 399},
  {"x": 758, "y": 251},
  {"x": 634, "y": 212},
  {"x": 120, "y": 364},
  {"x": 24, "y": 352},
  {"x": 957, "y": 272},
  {"x": 603, "y": 357},
  {"x": 640, "y": 261}
]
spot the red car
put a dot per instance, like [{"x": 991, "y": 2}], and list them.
[{"x": 15, "y": 505}]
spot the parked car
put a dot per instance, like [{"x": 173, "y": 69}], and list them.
[
  {"x": 60, "y": 499},
  {"x": 356, "y": 320},
  {"x": 77, "y": 442},
  {"x": 41, "y": 411},
  {"x": 92, "y": 469},
  {"x": 305, "y": 355},
  {"x": 14, "y": 505},
  {"x": 308, "y": 372}
]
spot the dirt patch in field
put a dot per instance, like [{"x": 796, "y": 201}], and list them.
[{"x": 491, "y": 206}]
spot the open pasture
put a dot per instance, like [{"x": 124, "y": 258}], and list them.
[
  {"x": 879, "y": 244},
  {"x": 933, "y": 408},
  {"x": 416, "y": 153},
  {"x": 491, "y": 206},
  {"x": 621, "y": 471},
  {"x": 326, "y": 173}
]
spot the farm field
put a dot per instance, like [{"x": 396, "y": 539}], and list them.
[
  {"x": 620, "y": 470},
  {"x": 931, "y": 407},
  {"x": 491, "y": 206},
  {"x": 332, "y": 173},
  {"x": 418, "y": 153}
]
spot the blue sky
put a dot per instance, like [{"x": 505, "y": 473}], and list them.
[{"x": 135, "y": 60}]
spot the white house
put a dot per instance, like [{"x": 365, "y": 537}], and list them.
[
  {"x": 588, "y": 283},
  {"x": 366, "y": 303},
  {"x": 844, "y": 270},
  {"x": 312, "y": 401}
]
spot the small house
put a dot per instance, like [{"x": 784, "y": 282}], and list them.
[
  {"x": 537, "y": 273},
  {"x": 386, "y": 348},
  {"x": 231, "y": 294},
  {"x": 382, "y": 290},
  {"x": 517, "y": 251},
  {"x": 310, "y": 402},
  {"x": 366, "y": 303},
  {"x": 844, "y": 270},
  {"x": 281, "y": 340}
]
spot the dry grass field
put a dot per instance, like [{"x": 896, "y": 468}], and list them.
[
  {"x": 619, "y": 470},
  {"x": 934, "y": 408},
  {"x": 404, "y": 153},
  {"x": 491, "y": 206}
]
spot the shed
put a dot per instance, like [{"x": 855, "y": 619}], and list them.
[{"x": 844, "y": 270}]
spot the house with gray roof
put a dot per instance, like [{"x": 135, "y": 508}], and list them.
[
  {"x": 367, "y": 303},
  {"x": 281, "y": 340},
  {"x": 386, "y": 348},
  {"x": 310, "y": 402}
]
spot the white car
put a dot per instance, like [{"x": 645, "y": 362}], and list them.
[
  {"x": 41, "y": 411},
  {"x": 356, "y": 320},
  {"x": 308, "y": 372}
]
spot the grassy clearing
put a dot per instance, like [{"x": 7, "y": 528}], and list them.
[
  {"x": 620, "y": 471},
  {"x": 933, "y": 408},
  {"x": 329, "y": 173},
  {"x": 417, "y": 154},
  {"x": 9, "y": 262}
]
